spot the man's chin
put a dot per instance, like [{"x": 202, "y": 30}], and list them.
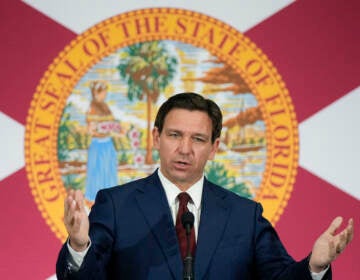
[{"x": 184, "y": 181}]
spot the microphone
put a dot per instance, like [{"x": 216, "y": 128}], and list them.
[{"x": 187, "y": 220}]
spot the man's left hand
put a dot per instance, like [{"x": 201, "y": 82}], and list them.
[{"x": 330, "y": 244}]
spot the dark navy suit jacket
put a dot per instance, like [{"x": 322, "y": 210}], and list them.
[{"x": 133, "y": 237}]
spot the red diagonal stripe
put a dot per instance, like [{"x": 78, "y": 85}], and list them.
[
  {"x": 30, "y": 41},
  {"x": 313, "y": 205},
  {"x": 315, "y": 46},
  {"x": 28, "y": 247}
]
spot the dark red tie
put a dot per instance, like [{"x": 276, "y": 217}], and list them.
[{"x": 181, "y": 233}]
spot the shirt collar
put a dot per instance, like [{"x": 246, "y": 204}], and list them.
[{"x": 172, "y": 191}]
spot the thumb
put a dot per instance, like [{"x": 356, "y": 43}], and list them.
[{"x": 335, "y": 224}]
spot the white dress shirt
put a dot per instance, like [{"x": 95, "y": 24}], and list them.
[{"x": 194, "y": 205}]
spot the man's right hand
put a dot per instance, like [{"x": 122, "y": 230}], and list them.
[{"x": 76, "y": 220}]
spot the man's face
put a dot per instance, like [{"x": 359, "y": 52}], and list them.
[{"x": 185, "y": 146}]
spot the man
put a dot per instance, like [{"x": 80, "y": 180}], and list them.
[{"x": 130, "y": 232}]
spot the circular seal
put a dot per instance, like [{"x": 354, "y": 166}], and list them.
[{"x": 89, "y": 122}]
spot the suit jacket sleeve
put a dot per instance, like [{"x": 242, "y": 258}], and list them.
[
  {"x": 102, "y": 238},
  {"x": 271, "y": 258}
]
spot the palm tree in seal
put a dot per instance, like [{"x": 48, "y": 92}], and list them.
[{"x": 147, "y": 68}]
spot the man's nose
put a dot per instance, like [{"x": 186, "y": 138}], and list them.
[{"x": 185, "y": 145}]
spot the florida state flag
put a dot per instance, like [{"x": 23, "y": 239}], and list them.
[{"x": 81, "y": 83}]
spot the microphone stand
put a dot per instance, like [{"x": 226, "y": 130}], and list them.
[{"x": 188, "y": 260}]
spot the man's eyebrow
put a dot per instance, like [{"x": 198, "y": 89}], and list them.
[
  {"x": 201, "y": 135},
  {"x": 197, "y": 134},
  {"x": 173, "y": 130}
]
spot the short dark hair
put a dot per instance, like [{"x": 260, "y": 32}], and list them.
[{"x": 192, "y": 102}]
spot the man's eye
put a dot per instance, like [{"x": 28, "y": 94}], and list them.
[
  {"x": 174, "y": 135},
  {"x": 199, "y": 139}
]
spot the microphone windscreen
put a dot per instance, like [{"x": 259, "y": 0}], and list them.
[{"x": 187, "y": 219}]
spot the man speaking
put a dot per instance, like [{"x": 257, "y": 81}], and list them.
[{"x": 175, "y": 224}]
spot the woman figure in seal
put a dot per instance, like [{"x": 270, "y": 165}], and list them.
[{"x": 102, "y": 158}]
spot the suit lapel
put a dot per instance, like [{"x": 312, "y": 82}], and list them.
[
  {"x": 152, "y": 201},
  {"x": 214, "y": 216}
]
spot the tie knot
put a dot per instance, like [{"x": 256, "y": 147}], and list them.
[{"x": 184, "y": 198}]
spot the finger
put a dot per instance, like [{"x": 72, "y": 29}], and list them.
[
  {"x": 67, "y": 203},
  {"x": 341, "y": 243},
  {"x": 350, "y": 231},
  {"x": 81, "y": 201},
  {"x": 79, "y": 198},
  {"x": 66, "y": 206},
  {"x": 68, "y": 200},
  {"x": 77, "y": 222},
  {"x": 332, "y": 246},
  {"x": 335, "y": 224},
  {"x": 70, "y": 213}
]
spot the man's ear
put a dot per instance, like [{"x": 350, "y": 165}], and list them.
[
  {"x": 156, "y": 138},
  {"x": 214, "y": 149}
]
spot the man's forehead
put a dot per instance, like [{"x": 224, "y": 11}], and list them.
[
  {"x": 186, "y": 121},
  {"x": 183, "y": 111},
  {"x": 178, "y": 115}
]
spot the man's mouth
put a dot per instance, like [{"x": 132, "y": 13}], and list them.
[{"x": 182, "y": 163}]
